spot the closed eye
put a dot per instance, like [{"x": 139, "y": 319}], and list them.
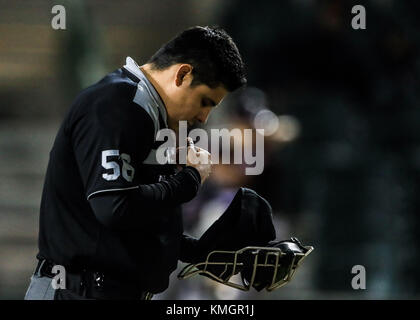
[{"x": 207, "y": 102}]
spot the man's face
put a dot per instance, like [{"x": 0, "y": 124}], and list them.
[{"x": 191, "y": 103}]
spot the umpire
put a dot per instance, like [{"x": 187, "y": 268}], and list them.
[{"x": 110, "y": 214}]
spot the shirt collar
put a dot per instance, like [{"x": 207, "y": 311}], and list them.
[{"x": 134, "y": 68}]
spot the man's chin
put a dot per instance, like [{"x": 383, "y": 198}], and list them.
[{"x": 173, "y": 126}]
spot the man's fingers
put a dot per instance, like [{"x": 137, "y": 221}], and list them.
[
  {"x": 201, "y": 156},
  {"x": 190, "y": 142}
]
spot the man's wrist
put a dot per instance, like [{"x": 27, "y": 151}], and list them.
[{"x": 194, "y": 172}]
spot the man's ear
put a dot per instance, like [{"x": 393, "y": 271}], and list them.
[{"x": 183, "y": 74}]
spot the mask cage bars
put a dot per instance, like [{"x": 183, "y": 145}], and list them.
[{"x": 201, "y": 268}]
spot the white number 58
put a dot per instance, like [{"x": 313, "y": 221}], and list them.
[{"x": 127, "y": 169}]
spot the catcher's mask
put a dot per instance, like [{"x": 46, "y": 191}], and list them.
[{"x": 268, "y": 267}]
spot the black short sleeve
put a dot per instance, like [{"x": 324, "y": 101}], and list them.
[{"x": 110, "y": 138}]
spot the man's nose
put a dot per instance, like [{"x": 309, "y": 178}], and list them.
[{"x": 203, "y": 115}]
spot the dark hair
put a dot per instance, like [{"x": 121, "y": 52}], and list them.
[{"x": 212, "y": 53}]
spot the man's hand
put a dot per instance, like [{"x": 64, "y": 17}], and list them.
[
  {"x": 196, "y": 157},
  {"x": 199, "y": 159}
]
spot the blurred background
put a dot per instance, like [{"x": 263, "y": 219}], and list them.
[{"x": 340, "y": 108}]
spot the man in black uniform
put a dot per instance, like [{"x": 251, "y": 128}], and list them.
[{"x": 110, "y": 212}]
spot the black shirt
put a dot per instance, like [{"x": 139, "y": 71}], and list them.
[{"x": 107, "y": 205}]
